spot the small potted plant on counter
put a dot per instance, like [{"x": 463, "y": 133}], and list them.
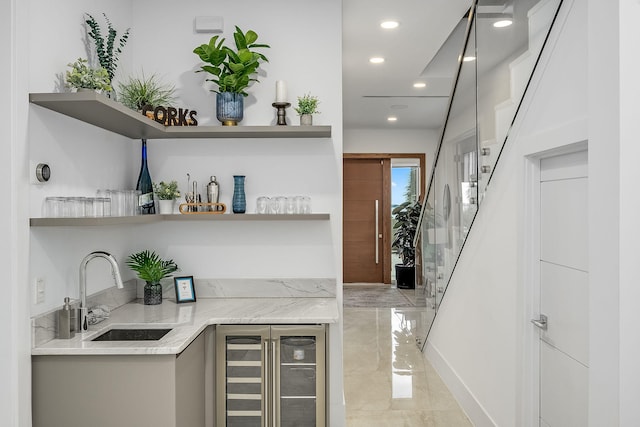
[
  {"x": 307, "y": 106},
  {"x": 406, "y": 225},
  {"x": 167, "y": 195},
  {"x": 81, "y": 76},
  {"x": 151, "y": 268}
]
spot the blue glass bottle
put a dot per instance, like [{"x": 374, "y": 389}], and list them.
[
  {"x": 145, "y": 199},
  {"x": 239, "y": 202}
]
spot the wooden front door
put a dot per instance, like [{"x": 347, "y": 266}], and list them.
[{"x": 365, "y": 237}]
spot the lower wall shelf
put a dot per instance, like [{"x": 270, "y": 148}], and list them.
[{"x": 150, "y": 219}]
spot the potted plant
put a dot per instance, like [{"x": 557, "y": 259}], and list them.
[
  {"x": 139, "y": 92},
  {"x": 232, "y": 71},
  {"x": 167, "y": 195},
  {"x": 405, "y": 227},
  {"x": 307, "y": 106},
  {"x": 151, "y": 268},
  {"x": 106, "y": 50},
  {"x": 81, "y": 76}
]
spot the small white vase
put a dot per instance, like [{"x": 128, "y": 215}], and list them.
[
  {"x": 306, "y": 120},
  {"x": 166, "y": 206}
]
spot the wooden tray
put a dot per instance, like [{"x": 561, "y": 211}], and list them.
[{"x": 183, "y": 208}]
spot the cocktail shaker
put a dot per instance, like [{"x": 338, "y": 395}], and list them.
[{"x": 213, "y": 193}]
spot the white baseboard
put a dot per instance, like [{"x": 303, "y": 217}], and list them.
[{"x": 469, "y": 404}]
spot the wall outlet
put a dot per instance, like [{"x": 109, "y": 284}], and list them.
[{"x": 39, "y": 290}]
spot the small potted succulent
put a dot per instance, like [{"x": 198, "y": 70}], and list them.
[
  {"x": 307, "y": 106},
  {"x": 151, "y": 268},
  {"x": 232, "y": 70},
  {"x": 167, "y": 194},
  {"x": 81, "y": 76},
  {"x": 139, "y": 92}
]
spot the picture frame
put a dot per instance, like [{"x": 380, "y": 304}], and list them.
[{"x": 185, "y": 289}]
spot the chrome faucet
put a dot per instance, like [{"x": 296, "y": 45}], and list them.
[{"x": 115, "y": 270}]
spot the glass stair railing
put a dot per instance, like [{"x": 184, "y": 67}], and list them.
[{"x": 495, "y": 67}]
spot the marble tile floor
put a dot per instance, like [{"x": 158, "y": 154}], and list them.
[{"x": 387, "y": 381}]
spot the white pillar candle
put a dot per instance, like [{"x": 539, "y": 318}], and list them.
[{"x": 281, "y": 91}]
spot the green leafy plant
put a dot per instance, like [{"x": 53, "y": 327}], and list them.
[
  {"x": 81, "y": 76},
  {"x": 166, "y": 191},
  {"x": 150, "y": 267},
  {"x": 406, "y": 219},
  {"x": 232, "y": 70},
  {"x": 138, "y": 92},
  {"x": 307, "y": 104},
  {"x": 107, "y": 50}
]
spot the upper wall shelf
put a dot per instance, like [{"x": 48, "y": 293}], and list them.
[{"x": 98, "y": 110}]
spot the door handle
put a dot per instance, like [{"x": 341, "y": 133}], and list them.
[
  {"x": 275, "y": 399},
  {"x": 265, "y": 393},
  {"x": 541, "y": 322},
  {"x": 376, "y": 235}
]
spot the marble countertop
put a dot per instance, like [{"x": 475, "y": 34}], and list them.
[{"x": 187, "y": 321}]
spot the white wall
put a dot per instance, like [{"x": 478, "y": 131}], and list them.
[
  {"x": 393, "y": 141},
  {"x": 605, "y": 185},
  {"x": 84, "y": 158},
  {"x": 629, "y": 291},
  {"x": 476, "y": 341},
  {"x": 11, "y": 317}
]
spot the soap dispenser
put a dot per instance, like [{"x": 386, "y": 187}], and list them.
[{"x": 66, "y": 328}]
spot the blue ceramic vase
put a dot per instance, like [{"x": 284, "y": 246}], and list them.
[
  {"x": 229, "y": 108},
  {"x": 239, "y": 201}
]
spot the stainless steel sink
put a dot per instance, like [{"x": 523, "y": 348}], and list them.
[{"x": 132, "y": 335}]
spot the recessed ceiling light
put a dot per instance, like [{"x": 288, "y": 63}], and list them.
[
  {"x": 399, "y": 107},
  {"x": 376, "y": 60},
  {"x": 469, "y": 58},
  {"x": 503, "y": 23},
  {"x": 389, "y": 25},
  {"x": 419, "y": 85},
  {"x": 392, "y": 119}
]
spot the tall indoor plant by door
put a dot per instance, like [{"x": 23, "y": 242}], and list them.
[
  {"x": 151, "y": 268},
  {"x": 232, "y": 71},
  {"x": 405, "y": 227}
]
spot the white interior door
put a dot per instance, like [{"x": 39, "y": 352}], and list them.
[{"x": 564, "y": 292}]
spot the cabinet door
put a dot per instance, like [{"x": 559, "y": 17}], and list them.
[
  {"x": 241, "y": 376},
  {"x": 298, "y": 361}
]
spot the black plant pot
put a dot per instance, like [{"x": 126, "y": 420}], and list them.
[
  {"x": 152, "y": 294},
  {"x": 405, "y": 276}
]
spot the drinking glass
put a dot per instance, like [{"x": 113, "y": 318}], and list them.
[
  {"x": 118, "y": 203},
  {"x": 291, "y": 205},
  {"x": 282, "y": 204},
  {"x": 274, "y": 207},
  {"x": 53, "y": 207},
  {"x": 306, "y": 205},
  {"x": 299, "y": 204},
  {"x": 262, "y": 205}
]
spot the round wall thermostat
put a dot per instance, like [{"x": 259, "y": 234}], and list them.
[{"x": 43, "y": 172}]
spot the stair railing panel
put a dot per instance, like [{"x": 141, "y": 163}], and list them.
[{"x": 495, "y": 68}]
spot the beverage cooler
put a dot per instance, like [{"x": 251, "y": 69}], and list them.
[{"x": 270, "y": 376}]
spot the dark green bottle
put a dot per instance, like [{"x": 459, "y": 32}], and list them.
[{"x": 145, "y": 199}]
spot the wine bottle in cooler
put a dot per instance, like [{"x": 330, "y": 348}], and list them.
[{"x": 145, "y": 199}]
